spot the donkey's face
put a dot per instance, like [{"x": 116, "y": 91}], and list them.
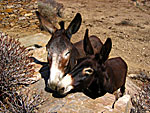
[
  {"x": 60, "y": 57},
  {"x": 62, "y": 54},
  {"x": 80, "y": 78},
  {"x": 86, "y": 71}
]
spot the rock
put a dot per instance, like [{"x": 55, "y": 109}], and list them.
[
  {"x": 124, "y": 104},
  {"x": 80, "y": 103},
  {"x": 131, "y": 88},
  {"x": 40, "y": 54},
  {"x": 31, "y": 40}
]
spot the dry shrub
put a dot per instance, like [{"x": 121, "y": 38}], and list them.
[
  {"x": 21, "y": 103},
  {"x": 16, "y": 69},
  {"x": 15, "y": 66}
]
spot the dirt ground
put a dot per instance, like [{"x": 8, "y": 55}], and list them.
[{"x": 126, "y": 24}]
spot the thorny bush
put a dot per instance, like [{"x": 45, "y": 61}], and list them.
[
  {"x": 21, "y": 103},
  {"x": 16, "y": 69},
  {"x": 15, "y": 65}
]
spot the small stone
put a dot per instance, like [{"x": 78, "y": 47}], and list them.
[
  {"x": 132, "y": 75},
  {"x": 15, "y": 10},
  {"x": 2, "y": 3},
  {"x": 10, "y": 6},
  {"x": 31, "y": 7},
  {"x": 18, "y": 5},
  {"x": 8, "y": 10},
  {"x": 12, "y": 24},
  {"x": 33, "y": 21},
  {"x": 12, "y": 15},
  {"x": 28, "y": 14},
  {"x": 23, "y": 13},
  {"x": 22, "y": 18},
  {"x": 1, "y": 11},
  {"x": 1, "y": 26},
  {"x": 1, "y": 17},
  {"x": 33, "y": 26}
]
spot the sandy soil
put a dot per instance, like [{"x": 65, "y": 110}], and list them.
[{"x": 126, "y": 24}]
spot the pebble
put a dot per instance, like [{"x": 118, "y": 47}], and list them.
[
  {"x": 10, "y": 6},
  {"x": 22, "y": 18},
  {"x": 12, "y": 14},
  {"x": 28, "y": 14}
]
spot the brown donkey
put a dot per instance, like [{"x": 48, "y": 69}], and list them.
[
  {"x": 62, "y": 54},
  {"x": 95, "y": 74}
]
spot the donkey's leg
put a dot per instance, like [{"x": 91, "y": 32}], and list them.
[
  {"x": 119, "y": 93},
  {"x": 116, "y": 97},
  {"x": 122, "y": 90}
]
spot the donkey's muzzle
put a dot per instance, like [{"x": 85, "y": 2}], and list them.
[{"x": 52, "y": 85}]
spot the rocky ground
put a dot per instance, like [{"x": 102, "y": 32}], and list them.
[{"x": 126, "y": 22}]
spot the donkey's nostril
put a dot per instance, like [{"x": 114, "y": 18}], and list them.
[
  {"x": 52, "y": 85},
  {"x": 62, "y": 89}
]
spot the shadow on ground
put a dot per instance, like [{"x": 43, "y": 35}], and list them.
[{"x": 45, "y": 73}]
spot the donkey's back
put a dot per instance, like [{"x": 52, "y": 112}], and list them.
[{"x": 117, "y": 72}]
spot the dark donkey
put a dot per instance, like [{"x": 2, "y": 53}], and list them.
[
  {"x": 62, "y": 54},
  {"x": 95, "y": 74}
]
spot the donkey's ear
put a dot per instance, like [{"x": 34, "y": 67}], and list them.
[
  {"x": 105, "y": 50},
  {"x": 88, "y": 49},
  {"x": 45, "y": 24},
  {"x": 74, "y": 25}
]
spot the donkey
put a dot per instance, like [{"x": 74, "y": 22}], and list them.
[
  {"x": 95, "y": 74},
  {"x": 62, "y": 54}
]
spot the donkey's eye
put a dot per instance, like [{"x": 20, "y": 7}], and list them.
[
  {"x": 88, "y": 71},
  {"x": 49, "y": 55},
  {"x": 67, "y": 53}
]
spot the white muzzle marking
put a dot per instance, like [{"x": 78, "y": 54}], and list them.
[
  {"x": 66, "y": 84},
  {"x": 55, "y": 73}
]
